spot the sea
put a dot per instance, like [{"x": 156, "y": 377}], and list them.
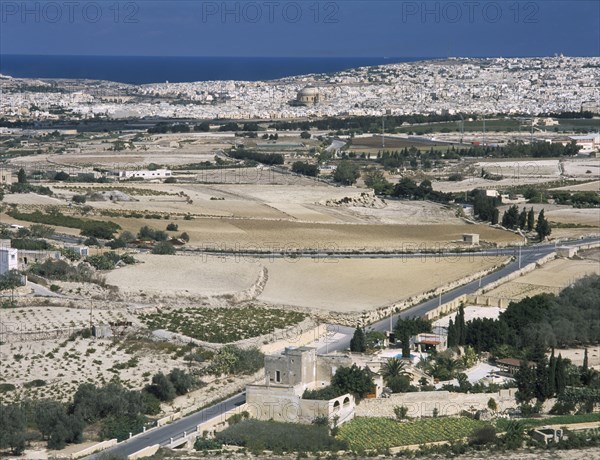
[{"x": 159, "y": 69}]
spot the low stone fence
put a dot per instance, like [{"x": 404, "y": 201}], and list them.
[
  {"x": 145, "y": 452},
  {"x": 168, "y": 419},
  {"x": 526, "y": 269},
  {"x": 84, "y": 452},
  {"x": 422, "y": 403}
]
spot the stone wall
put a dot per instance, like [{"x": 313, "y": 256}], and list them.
[{"x": 422, "y": 403}]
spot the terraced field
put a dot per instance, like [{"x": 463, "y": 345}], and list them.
[{"x": 364, "y": 433}]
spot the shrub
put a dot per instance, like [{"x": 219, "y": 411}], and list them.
[
  {"x": 6, "y": 387},
  {"x": 182, "y": 381},
  {"x": 163, "y": 248},
  {"x": 401, "y": 412},
  {"x": 207, "y": 444},
  {"x": 54, "y": 287},
  {"x": 172, "y": 227},
  {"x": 148, "y": 233},
  {"x": 92, "y": 241},
  {"x": 79, "y": 199},
  {"x": 35, "y": 383},
  {"x": 162, "y": 388},
  {"x": 483, "y": 435},
  {"x": 170, "y": 180}
]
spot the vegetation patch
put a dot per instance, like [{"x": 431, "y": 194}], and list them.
[
  {"x": 223, "y": 325},
  {"x": 88, "y": 227},
  {"x": 280, "y": 437},
  {"x": 365, "y": 433}
]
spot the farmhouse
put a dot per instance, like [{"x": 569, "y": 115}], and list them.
[{"x": 287, "y": 376}]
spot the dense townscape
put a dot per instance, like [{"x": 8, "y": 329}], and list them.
[{"x": 487, "y": 86}]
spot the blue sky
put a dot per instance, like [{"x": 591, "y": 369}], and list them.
[{"x": 301, "y": 28}]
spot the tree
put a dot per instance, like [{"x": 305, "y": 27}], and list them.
[
  {"x": 542, "y": 385},
  {"x": 523, "y": 219},
  {"x": 358, "y": 343},
  {"x": 354, "y": 380},
  {"x": 561, "y": 377},
  {"x": 12, "y": 428},
  {"x": 552, "y": 374},
  {"x": 406, "y": 345},
  {"x": 162, "y": 387},
  {"x": 542, "y": 227},
  {"x": 182, "y": 381},
  {"x": 21, "y": 176},
  {"x": 346, "y": 173},
  {"x": 526, "y": 383},
  {"x": 394, "y": 368},
  {"x": 495, "y": 216},
  {"x": 305, "y": 135},
  {"x": 510, "y": 218},
  {"x": 376, "y": 180},
  {"x": 492, "y": 405},
  {"x": 452, "y": 341},
  {"x": 530, "y": 220}
]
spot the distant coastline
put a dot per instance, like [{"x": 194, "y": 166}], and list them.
[{"x": 154, "y": 69}]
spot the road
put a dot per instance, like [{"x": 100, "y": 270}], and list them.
[{"x": 343, "y": 336}]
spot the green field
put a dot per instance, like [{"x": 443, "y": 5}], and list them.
[
  {"x": 223, "y": 325},
  {"x": 364, "y": 433}
]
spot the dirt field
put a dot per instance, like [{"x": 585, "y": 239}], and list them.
[
  {"x": 187, "y": 275},
  {"x": 358, "y": 284},
  {"x": 552, "y": 277},
  {"x": 253, "y": 218},
  {"x": 345, "y": 285}
]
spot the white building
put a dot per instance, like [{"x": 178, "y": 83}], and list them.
[
  {"x": 146, "y": 174},
  {"x": 9, "y": 259}
]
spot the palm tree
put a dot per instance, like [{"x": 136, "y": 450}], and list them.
[{"x": 394, "y": 368}]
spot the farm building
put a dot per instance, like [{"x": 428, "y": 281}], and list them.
[
  {"x": 287, "y": 376},
  {"x": 471, "y": 238},
  {"x": 511, "y": 365},
  {"x": 9, "y": 259}
]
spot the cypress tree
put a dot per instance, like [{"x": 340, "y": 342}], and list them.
[
  {"x": 451, "y": 335},
  {"x": 405, "y": 345},
  {"x": 523, "y": 219},
  {"x": 530, "y": 220},
  {"x": 525, "y": 379},
  {"x": 552, "y": 374},
  {"x": 585, "y": 360},
  {"x": 495, "y": 216},
  {"x": 561, "y": 378},
  {"x": 542, "y": 390},
  {"x": 543, "y": 226},
  {"x": 358, "y": 343},
  {"x": 462, "y": 330}
]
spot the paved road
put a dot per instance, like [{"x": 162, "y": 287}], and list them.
[
  {"x": 341, "y": 342},
  {"x": 175, "y": 430}
]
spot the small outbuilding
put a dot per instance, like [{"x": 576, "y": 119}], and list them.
[{"x": 471, "y": 238}]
